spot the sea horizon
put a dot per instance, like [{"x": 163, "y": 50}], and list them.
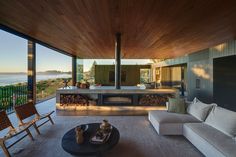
[
  {"x": 39, "y": 72},
  {"x": 15, "y": 78}
]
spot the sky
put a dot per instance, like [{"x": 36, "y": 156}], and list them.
[
  {"x": 12, "y": 53},
  {"x": 48, "y": 59},
  {"x": 13, "y": 57}
]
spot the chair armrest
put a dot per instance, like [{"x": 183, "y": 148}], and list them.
[
  {"x": 42, "y": 116},
  {"x": 15, "y": 131}
]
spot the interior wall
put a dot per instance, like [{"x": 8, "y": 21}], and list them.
[
  {"x": 132, "y": 74},
  {"x": 176, "y": 74},
  {"x": 200, "y": 67},
  {"x": 171, "y": 76},
  {"x": 224, "y": 85},
  {"x": 166, "y": 76},
  {"x": 199, "y": 78}
]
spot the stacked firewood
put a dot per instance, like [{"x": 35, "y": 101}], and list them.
[
  {"x": 73, "y": 99},
  {"x": 153, "y": 100}
]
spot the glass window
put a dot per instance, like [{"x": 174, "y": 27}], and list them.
[
  {"x": 145, "y": 75},
  {"x": 102, "y": 71},
  {"x": 52, "y": 69},
  {"x": 13, "y": 71}
]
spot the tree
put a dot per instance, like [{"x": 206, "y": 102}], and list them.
[
  {"x": 92, "y": 69},
  {"x": 80, "y": 72}
]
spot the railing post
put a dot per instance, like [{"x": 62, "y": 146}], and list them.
[{"x": 31, "y": 72}]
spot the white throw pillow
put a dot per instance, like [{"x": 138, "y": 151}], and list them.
[
  {"x": 199, "y": 109},
  {"x": 223, "y": 120}
]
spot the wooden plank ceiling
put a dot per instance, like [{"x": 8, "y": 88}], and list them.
[{"x": 150, "y": 28}]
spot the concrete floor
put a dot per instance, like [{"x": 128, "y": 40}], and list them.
[
  {"x": 43, "y": 107},
  {"x": 137, "y": 137}
]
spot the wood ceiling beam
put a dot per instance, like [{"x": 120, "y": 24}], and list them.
[{"x": 150, "y": 28}]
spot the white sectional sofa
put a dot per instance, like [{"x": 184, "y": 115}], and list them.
[
  {"x": 210, "y": 141},
  {"x": 167, "y": 123},
  {"x": 214, "y": 134}
]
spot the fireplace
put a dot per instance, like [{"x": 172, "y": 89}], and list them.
[
  {"x": 108, "y": 97},
  {"x": 111, "y": 99},
  {"x": 115, "y": 99}
]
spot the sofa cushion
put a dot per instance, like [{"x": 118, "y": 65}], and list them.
[
  {"x": 223, "y": 120},
  {"x": 199, "y": 109},
  {"x": 210, "y": 141},
  {"x": 176, "y": 105},
  {"x": 167, "y": 123},
  {"x": 167, "y": 117}
]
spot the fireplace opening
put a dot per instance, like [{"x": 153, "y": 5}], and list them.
[{"x": 117, "y": 100}]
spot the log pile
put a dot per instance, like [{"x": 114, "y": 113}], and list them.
[
  {"x": 153, "y": 100},
  {"x": 73, "y": 99}
]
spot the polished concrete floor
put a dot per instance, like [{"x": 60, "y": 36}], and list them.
[{"x": 137, "y": 137}]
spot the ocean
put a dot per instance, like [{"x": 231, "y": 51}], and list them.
[{"x": 8, "y": 79}]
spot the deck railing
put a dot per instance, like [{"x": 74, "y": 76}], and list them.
[{"x": 11, "y": 96}]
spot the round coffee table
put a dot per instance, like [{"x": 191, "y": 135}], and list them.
[{"x": 69, "y": 144}]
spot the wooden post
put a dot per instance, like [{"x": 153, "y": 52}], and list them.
[
  {"x": 31, "y": 72},
  {"x": 118, "y": 61},
  {"x": 74, "y": 64}
]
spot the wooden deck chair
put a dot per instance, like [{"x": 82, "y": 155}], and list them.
[
  {"x": 5, "y": 123},
  {"x": 27, "y": 113}
]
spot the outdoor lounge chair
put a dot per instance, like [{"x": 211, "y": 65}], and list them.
[
  {"x": 27, "y": 113},
  {"x": 12, "y": 132}
]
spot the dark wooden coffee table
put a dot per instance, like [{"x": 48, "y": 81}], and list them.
[{"x": 69, "y": 144}]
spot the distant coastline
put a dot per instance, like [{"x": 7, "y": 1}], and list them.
[
  {"x": 12, "y": 73},
  {"x": 49, "y": 72},
  {"x": 21, "y": 77}
]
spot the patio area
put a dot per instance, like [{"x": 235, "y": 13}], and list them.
[
  {"x": 137, "y": 137},
  {"x": 162, "y": 73}
]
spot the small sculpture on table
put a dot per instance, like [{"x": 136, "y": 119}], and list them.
[
  {"x": 66, "y": 81},
  {"x": 79, "y": 135},
  {"x": 83, "y": 84},
  {"x": 78, "y": 84},
  {"x": 102, "y": 134},
  {"x": 105, "y": 126}
]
